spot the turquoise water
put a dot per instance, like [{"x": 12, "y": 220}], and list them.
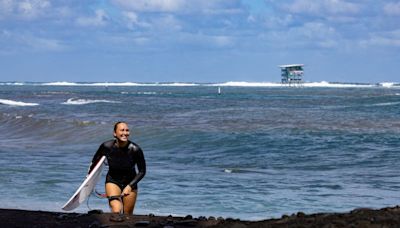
[{"x": 250, "y": 153}]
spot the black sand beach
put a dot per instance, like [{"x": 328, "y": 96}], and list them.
[{"x": 363, "y": 217}]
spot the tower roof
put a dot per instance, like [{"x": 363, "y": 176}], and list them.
[{"x": 291, "y": 65}]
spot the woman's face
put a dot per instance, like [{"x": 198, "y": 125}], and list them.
[{"x": 122, "y": 132}]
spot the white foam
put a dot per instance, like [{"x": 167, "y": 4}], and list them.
[
  {"x": 178, "y": 84},
  {"x": 336, "y": 85},
  {"x": 140, "y": 93},
  {"x": 228, "y": 170},
  {"x": 278, "y": 84},
  {"x": 12, "y": 83},
  {"x": 249, "y": 84},
  {"x": 229, "y": 83},
  {"x": 387, "y": 84},
  {"x": 73, "y": 101},
  {"x": 385, "y": 104},
  {"x": 102, "y": 84},
  {"x": 16, "y": 103},
  {"x": 60, "y": 84},
  {"x": 147, "y": 93},
  {"x": 107, "y": 84}
]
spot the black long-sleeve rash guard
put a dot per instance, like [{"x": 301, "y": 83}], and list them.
[{"x": 121, "y": 162}]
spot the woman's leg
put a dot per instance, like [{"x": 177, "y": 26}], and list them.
[
  {"x": 129, "y": 202},
  {"x": 113, "y": 190}
]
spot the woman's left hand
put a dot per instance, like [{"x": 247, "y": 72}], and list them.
[{"x": 127, "y": 190}]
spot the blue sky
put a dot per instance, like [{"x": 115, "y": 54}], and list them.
[{"x": 198, "y": 40}]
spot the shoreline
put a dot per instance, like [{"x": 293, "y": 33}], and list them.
[{"x": 361, "y": 217}]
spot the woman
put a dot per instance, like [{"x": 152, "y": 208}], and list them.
[{"x": 122, "y": 157}]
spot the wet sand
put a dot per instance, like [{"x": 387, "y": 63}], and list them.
[{"x": 363, "y": 217}]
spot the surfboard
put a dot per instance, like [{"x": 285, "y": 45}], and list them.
[{"x": 86, "y": 188}]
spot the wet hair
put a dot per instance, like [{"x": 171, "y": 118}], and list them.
[{"x": 117, "y": 123}]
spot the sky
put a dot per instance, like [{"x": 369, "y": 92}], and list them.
[{"x": 198, "y": 40}]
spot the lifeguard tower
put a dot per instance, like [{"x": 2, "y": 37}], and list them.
[{"x": 292, "y": 74}]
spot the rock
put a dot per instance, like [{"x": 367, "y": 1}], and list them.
[
  {"x": 300, "y": 214},
  {"x": 62, "y": 217},
  {"x": 202, "y": 218},
  {"x": 186, "y": 223},
  {"x": 142, "y": 223},
  {"x": 95, "y": 212},
  {"x": 95, "y": 224},
  {"x": 285, "y": 217}
]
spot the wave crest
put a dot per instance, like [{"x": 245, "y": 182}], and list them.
[
  {"x": 74, "y": 101},
  {"x": 16, "y": 103}
]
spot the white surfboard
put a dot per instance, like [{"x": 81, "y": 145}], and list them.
[{"x": 86, "y": 188}]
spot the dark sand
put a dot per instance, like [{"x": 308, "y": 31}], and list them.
[{"x": 386, "y": 217}]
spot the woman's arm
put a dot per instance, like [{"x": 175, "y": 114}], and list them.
[
  {"x": 141, "y": 164},
  {"x": 96, "y": 158}
]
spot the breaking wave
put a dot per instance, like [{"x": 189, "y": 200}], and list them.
[
  {"x": 229, "y": 83},
  {"x": 73, "y": 101},
  {"x": 306, "y": 84},
  {"x": 106, "y": 84},
  {"x": 16, "y": 103}
]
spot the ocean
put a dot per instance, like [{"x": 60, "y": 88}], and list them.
[{"x": 254, "y": 151}]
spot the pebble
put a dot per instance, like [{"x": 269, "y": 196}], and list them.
[{"x": 62, "y": 217}]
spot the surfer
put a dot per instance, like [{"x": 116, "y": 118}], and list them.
[{"x": 122, "y": 179}]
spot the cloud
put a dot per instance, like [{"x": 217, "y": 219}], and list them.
[
  {"x": 132, "y": 20},
  {"x": 167, "y": 23},
  {"x": 322, "y": 7},
  {"x": 100, "y": 19},
  {"x": 392, "y": 9},
  {"x": 315, "y": 30},
  {"x": 11, "y": 42},
  {"x": 6, "y": 7},
  {"x": 310, "y": 35},
  {"x": 276, "y": 22},
  {"x": 155, "y": 24},
  {"x": 32, "y": 8},
  {"x": 44, "y": 44},
  {"x": 27, "y": 9},
  {"x": 182, "y": 6},
  {"x": 152, "y": 5},
  {"x": 201, "y": 40},
  {"x": 383, "y": 39}
]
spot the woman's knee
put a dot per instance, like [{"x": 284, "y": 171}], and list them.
[
  {"x": 113, "y": 191},
  {"x": 129, "y": 202},
  {"x": 115, "y": 205}
]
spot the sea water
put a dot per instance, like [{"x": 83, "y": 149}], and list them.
[{"x": 251, "y": 152}]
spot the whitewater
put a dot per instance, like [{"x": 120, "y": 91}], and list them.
[{"x": 253, "y": 151}]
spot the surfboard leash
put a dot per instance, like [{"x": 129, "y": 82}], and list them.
[{"x": 87, "y": 203}]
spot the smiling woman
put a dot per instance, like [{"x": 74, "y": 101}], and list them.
[{"x": 121, "y": 181}]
